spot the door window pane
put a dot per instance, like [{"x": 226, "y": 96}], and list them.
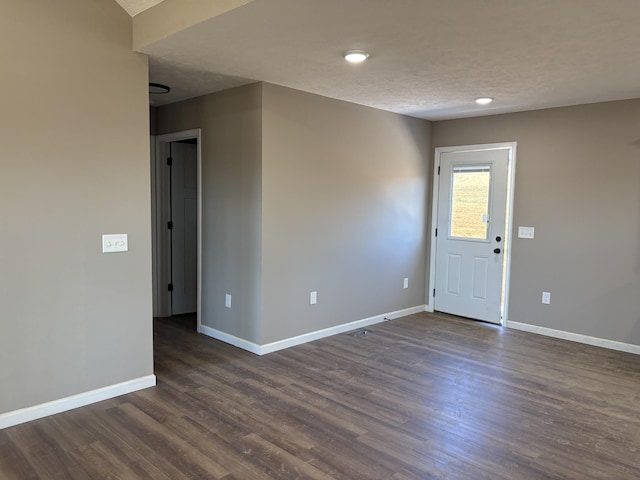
[{"x": 470, "y": 202}]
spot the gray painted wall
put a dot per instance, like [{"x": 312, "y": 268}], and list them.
[
  {"x": 75, "y": 165},
  {"x": 578, "y": 183},
  {"x": 231, "y": 191},
  {"x": 344, "y": 208},
  {"x": 304, "y": 193}
]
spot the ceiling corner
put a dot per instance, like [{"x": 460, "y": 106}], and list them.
[{"x": 134, "y": 7}]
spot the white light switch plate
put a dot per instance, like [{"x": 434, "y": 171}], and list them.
[
  {"x": 526, "y": 232},
  {"x": 405, "y": 283},
  {"x": 546, "y": 298},
  {"x": 227, "y": 300},
  {"x": 313, "y": 298},
  {"x": 115, "y": 242}
]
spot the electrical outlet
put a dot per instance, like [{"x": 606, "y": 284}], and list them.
[
  {"x": 313, "y": 298},
  {"x": 406, "y": 283},
  {"x": 546, "y": 298},
  {"x": 227, "y": 300}
]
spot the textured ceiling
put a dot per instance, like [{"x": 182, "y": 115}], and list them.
[
  {"x": 429, "y": 58},
  {"x": 134, "y": 7}
]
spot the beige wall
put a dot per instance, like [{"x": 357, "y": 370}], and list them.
[
  {"x": 231, "y": 196},
  {"x": 344, "y": 205},
  {"x": 304, "y": 193},
  {"x": 578, "y": 184},
  {"x": 75, "y": 165}
]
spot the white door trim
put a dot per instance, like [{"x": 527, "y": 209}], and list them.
[
  {"x": 160, "y": 211},
  {"x": 511, "y": 146}
]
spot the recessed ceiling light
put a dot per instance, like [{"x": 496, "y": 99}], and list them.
[
  {"x": 355, "y": 56},
  {"x": 484, "y": 100},
  {"x": 158, "y": 89}
]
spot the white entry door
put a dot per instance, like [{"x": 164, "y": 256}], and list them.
[
  {"x": 470, "y": 232},
  {"x": 184, "y": 234}
]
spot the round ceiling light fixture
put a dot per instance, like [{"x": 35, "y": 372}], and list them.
[
  {"x": 484, "y": 100},
  {"x": 355, "y": 56},
  {"x": 158, "y": 89}
]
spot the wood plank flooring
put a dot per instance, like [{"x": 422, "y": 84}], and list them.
[{"x": 422, "y": 397}]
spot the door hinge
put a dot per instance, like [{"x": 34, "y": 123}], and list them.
[
  {"x": 170, "y": 225},
  {"x": 169, "y": 161},
  {"x": 170, "y": 287},
  {"x": 434, "y": 292},
  {"x": 438, "y": 169},
  {"x": 436, "y": 232}
]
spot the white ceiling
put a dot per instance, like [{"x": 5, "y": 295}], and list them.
[{"x": 429, "y": 58}]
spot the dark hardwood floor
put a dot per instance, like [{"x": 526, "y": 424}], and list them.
[{"x": 426, "y": 396}]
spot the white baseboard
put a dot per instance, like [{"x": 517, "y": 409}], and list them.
[
  {"x": 230, "y": 339},
  {"x": 345, "y": 327},
  {"x": 306, "y": 337},
  {"x": 576, "y": 337},
  {"x": 23, "y": 415}
]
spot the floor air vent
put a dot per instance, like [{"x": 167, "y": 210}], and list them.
[{"x": 359, "y": 333}]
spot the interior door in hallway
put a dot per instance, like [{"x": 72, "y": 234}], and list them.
[
  {"x": 184, "y": 232},
  {"x": 470, "y": 235}
]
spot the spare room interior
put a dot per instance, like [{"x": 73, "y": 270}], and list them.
[{"x": 320, "y": 239}]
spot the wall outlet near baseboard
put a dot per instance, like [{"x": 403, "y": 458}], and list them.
[{"x": 546, "y": 298}]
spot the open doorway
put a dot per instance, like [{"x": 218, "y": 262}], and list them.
[{"x": 176, "y": 218}]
